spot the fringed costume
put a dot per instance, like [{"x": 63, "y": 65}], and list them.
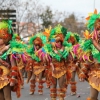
[
  {"x": 36, "y": 64},
  {"x": 58, "y": 70},
  {"x": 90, "y": 55},
  {"x": 72, "y": 63},
  {"x": 10, "y": 78},
  {"x": 18, "y": 49}
]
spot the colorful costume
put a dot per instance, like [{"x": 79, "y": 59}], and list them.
[
  {"x": 18, "y": 48},
  {"x": 72, "y": 39},
  {"x": 36, "y": 64},
  {"x": 58, "y": 70},
  {"x": 47, "y": 34},
  {"x": 9, "y": 72},
  {"x": 91, "y": 56}
]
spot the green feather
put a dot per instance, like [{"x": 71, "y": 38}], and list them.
[
  {"x": 91, "y": 21},
  {"x": 31, "y": 53},
  {"x": 5, "y": 54},
  {"x": 40, "y": 35},
  {"x": 56, "y": 30},
  {"x": 64, "y": 31},
  {"x": 97, "y": 57},
  {"x": 17, "y": 46},
  {"x": 32, "y": 39},
  {"x": 3, "y": 25},
  {"x": 87, "y": 45}
]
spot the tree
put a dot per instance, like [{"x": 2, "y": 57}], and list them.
[
  {"x": 71, "y": 23},
  {"x": 46, "y": 17},
  {"x": 26, "y": 12}
]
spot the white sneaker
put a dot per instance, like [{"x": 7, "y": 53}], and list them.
[{"x": 31, "y": 93}]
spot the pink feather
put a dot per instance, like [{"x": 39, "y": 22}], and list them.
[{"x": 75, "y": 48}]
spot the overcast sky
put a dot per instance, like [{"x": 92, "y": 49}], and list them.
[{"x": 79, "y": 7}]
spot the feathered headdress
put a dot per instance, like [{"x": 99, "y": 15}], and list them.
[
  {"x": 17, "y": 45},
  {"x": 47, "y": 32},
  {"x": 92, "y": 19},
  {"x": 6, "y": 30},
  {"x": 57, "y": 34},
  {"x": 86, "y": 50},
  {"x": 16, "y": 37},
  {"x": 87, "y": 35},
  {"x": 57, "y": 30},
  {"x": 38, "y": 35},
  {"x": 41, "y": 39},
  {"x": 71, "y": 38}
]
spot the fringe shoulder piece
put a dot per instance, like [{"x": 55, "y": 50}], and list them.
[
  {"x": 59, "y": 55},
  {"x": 32, "y": 54},
  {"x": 91, "y": 19},
  {"x": 17, "y": 46}
]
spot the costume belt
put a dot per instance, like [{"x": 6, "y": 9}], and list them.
[
  {"x": 4, "y": 71},
  {"x": 96, "y": 73}
]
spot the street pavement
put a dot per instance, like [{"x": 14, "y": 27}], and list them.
[{"x": 83, "y": 91}]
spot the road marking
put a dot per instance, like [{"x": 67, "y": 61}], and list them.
[
  {"x": 88, "y": 87},
  {"x": 46, "y": 99}
]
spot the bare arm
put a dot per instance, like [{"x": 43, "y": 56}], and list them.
[
  {"x": 97, "y": 46},
  {"x": 4, "y": 49},
  {"x": 2, "y": 62}
]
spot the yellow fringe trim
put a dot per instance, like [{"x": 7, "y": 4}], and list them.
[
  {"x": 94, "y": 86},
  {"x": 59, "y": 74},
  {"x": 3, "y": 83},
  {"x": 6, "y": 71},
  {"x": 38, "y": 69},
  {"x": 3, "y": 78}
]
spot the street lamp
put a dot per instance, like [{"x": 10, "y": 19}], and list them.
[{"x": 94, "y": 4}]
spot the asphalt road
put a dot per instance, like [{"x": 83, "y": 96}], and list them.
[{"x": 83, "y": 90}]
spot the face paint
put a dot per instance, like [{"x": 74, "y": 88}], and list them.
[
  {"x": 37, "y": 43},
  {"x": 58, "y": 42},
  {"x": 37, "y": 46}
]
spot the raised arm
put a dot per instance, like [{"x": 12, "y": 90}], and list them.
[{"x": 97, "y": 45}]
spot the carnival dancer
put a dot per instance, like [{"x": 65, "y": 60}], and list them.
[
  {"x": 72, "y": 39},
  {"x": 36, "y": 66},
  {"x": 47, "y": 34},
  {"x": 18, "y": 49},
  {"x": 10, "y": 78},
  {"x": 58, "y": 69},
  {"x": 91, "y": 67}
]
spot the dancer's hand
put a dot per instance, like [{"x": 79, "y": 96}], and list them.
[
  {"x": 77, "y": 63},
  {"x": 7, "y": 47},
  {"x": 12, "y": 84},
  {"x": 52, "y": 66},
  {"x": 82, "y": 77}
]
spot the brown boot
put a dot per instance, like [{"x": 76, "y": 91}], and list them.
[
  {"x": 62, "y": 93},
  {"x": 32, "y": 87},
  {"x": 48, "y": 84},
  {"x": 53, "y": 93},
  {"x": 73, "y": 88},
  {"x": 40, "y": 86}
]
